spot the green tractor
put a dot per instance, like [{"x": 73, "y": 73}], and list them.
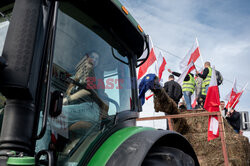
[{"x": 68, "y": 73}]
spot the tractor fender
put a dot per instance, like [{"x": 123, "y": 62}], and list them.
[{"x": 135, "y": 148}]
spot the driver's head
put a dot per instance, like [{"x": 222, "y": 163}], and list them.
[
  {"x": 93, "y": 58},
  {"x": 85, "y": 68}
]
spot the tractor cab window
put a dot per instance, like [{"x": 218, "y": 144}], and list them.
[
  {"x": 4, "y": 25},
  {"x": 3, "y": 32},
  {"x": 5, "y": 17},
  {"x": 95, "y": 86}
]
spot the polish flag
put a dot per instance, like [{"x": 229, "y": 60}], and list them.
[
  {"x": 161, "y": 64},
  {"x": 193, "y": 100},
  {"x": 193, "y": 55},
  {"x": 231, "y": 96},
  {"x": 184, "y": 73},
  {"x": 150, "y": 66},
  {"x": 234, "y": 89},
  {"x": 212, "y": 104},
  {"x": 213, "y": 128},
  {"x": 235, "y": 101}
]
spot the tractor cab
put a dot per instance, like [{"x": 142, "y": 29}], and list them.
[
  {"x": 83, "y": 75},
  {"x": 92, "y": 86},
  {"x": 69, "y": 85}
]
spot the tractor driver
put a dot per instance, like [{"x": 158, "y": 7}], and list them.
[{"x": 83, "y": 105}]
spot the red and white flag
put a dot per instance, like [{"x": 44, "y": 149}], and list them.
[
  {"x": 150, "y": 66},
  {"x": 232, "y": 103},
  {"x": 231, "y": 96},
  {"x": 193, "y": 100},
  {"x": 154, "y": 64},
  {"x": 192, "y": 55},
  {"x": 161, "y": 63},
  {"x": 184, "y": 73},
  {"x": 233, "y": 90},
  {"x": 212, "y": 104}
]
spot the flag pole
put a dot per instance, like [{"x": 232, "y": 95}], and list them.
[
  {"x": 239, "y": 96},
  {"x": 200, "y": 52}
]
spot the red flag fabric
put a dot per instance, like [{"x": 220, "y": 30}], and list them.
[
  {"x": 161, "y": 61},
  {"x": 237, "y": 97},
  {"x": 144, "y": 68},
  {"x": 193, "y": 55},
  {"x": 213, "y": 128},
  {"x": 234, "y": 98},
  {"x": 212, "y": 104},
  {"x": 212, "y": 101},
  {"x": 231, "y": 99}
]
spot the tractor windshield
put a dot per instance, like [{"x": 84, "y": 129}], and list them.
[
  {"x": 4, "y": 25},
  {"x": 3, "y": 31},
  {"x": 95, "y": 86}
]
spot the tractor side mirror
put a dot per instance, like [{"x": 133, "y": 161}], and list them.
[{"x": 56, "y": 103}]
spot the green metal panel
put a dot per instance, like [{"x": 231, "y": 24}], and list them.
[
  {"x": 21, "y": 161},
  {"x": 112, "y": 143}
]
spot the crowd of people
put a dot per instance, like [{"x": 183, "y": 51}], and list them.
[
  {"x": 197, "y": 84},
  {"x": 193, "y": 83}
]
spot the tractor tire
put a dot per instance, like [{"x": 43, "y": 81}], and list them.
[{"x": 162, "y": 156}]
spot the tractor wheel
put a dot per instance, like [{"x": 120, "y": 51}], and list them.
[{"x": 162, "y": 155}]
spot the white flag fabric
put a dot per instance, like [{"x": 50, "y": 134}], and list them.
[
  {"x": 184, "y": 73},
  {"x": 150, "y": 66},
  {"x": 160, "y": 68},
  {"x": 233, "y": 90},
  {"x": 192, "y": 55},
  {"x": 214, "y": 125}
]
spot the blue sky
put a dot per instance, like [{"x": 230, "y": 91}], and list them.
[{"x": 222, "y": 29}]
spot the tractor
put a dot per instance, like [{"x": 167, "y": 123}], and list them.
[{"x": 68, "y": 81}]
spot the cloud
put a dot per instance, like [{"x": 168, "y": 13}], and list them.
[{"x": 222, "y": 28}]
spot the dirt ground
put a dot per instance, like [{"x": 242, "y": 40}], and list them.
[{"x": 210, "y": 153}]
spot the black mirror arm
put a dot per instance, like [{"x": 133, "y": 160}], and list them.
[
  {"x": 147, "y": 47},
  {"x": 113, "y": 53}
]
